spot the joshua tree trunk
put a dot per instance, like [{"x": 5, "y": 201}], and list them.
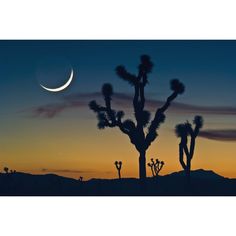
[
  {"x": 142, "y": 165},
  {"x": 188, "y": 170},
  {"x": 187, "y": 166},
  {"x": 119, "y": 174}
]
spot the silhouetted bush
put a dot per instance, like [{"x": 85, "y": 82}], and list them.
[
  {"x": 155, "y": 166},
  {"x": 6, "y": 169}
]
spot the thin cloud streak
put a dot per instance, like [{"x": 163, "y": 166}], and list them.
[
  {"x": 219, "y": 135},
  {"x": 123, "y": 101},
  {"x": 64, "y": 171}
]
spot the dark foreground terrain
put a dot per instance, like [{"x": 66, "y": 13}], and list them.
[{"x": 203, "y": 183}]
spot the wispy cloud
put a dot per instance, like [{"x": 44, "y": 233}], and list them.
[
  {"x": 124, "y": 101},
  {"x": 64, "y": 171},
  {"x": 71, "y": 171},
  {"x": 48, "y": 110},
  {"x": 220, "y": 135}
]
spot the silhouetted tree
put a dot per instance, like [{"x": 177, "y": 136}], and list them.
[
  {"x": 155, "y": 166},
  {"x": 81, "y": 179},
  {"x": 6, "y": 169},
  {"x": 151, "y": 165},
  {"x": 108, "y": 117},
  {"x": 184, "y": 131},
  {"x": 118, "y": 165}
]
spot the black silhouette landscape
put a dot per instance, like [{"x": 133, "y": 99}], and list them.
[{"x": 203, "y": 183}]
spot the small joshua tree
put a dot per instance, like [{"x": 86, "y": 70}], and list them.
[
  {"x": 155, "y": 167},
  {"x": 136, "y": 130},
  {"x": 184, "y": 131},
  {"x": 6, "y": 169},
  {"x": 118, "y": 165}
]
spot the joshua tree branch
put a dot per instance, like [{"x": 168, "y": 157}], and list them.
[
  {"x": 121, "y": 127},
  {"x": 158, "y": 119},
  {"x": 142, "y": 97},
  {"x": 136, "y": 97},
  {"x": 196, "y": 131},
  {"x": 192, "y": 147},
  {"x": 168, "y": 102},
  {"x": 185, "y": 148},
  {"x": 152, "y": 171},
  {"x": 181, "y": 156},
  {"x": 109, "y": 121}
]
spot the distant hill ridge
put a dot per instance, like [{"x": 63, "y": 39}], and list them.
[
  {"x": 199, "y": 173},
  {"x": 203, "y": 183}
]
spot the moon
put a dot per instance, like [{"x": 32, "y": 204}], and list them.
[{"x": 55, "y": 90}]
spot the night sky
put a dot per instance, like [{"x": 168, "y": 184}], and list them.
[{"x": 44, "y": 132}]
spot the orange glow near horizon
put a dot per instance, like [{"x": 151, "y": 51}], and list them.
[{"x": 83, "y": 150}]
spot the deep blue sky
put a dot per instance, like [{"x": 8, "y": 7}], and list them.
[{"x": 206, "y": 67}]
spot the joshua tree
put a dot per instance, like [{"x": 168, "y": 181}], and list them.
[
  {"x": 118, "y": 165},
  {"x": 6, "y": 169},
  {"x": 139, "y": 137},
  {"x": 155, "y": 166},
  {"x": 80, "y": 179},
  {"x": 184, "y": 131}
]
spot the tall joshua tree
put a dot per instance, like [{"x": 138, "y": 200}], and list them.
[
  {"x": 135, "y": 130},
  {"x": 185, "y": 131}
]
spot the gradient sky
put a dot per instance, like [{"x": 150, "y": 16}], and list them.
[{"x": 68, "y": 143}]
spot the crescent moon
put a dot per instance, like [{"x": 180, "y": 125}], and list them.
[{"x": 54, "y": 90}]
